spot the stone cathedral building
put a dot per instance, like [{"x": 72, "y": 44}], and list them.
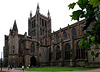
[{"x": 41, "y": 47}]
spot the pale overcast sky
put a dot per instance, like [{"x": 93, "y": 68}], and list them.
[{"x": 19, "y": 10}]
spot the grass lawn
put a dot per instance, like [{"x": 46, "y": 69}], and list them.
[
  {"x": 58, "y": 68},
  {"x": 2, "y": 71}
]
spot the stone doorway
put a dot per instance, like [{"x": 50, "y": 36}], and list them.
[{"x": 33, "y": 61}]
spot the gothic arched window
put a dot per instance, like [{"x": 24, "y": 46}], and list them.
[
  {"x": 64, "y": 36},
  {"x": 74, "y": 32},
  {"x": 67, "y": 51},
  {"x": 80, "y": 51},
  {"x": 57, "y": 53},
  {"x": 32, "y": 48},
  {"x": 57, "y": 38}
]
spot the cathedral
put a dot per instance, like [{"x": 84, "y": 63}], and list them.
[{"x": 41, "y": 47}]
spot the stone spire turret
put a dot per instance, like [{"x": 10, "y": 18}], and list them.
[
  {"x": 15, "y": 26},
  {"x": 38, "y": 8},
  {"x": 48, "y": 14},
  {"x": 30, "y": 14}
]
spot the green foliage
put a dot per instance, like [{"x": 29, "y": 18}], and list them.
[
  {"x": 71, "y": 6},
  {"x": 92, "y": 53},
  {"x": 94, "y": 3},
  {"x": 76, "y": 14},
  {"x": 86, "y": 45},
  {"x": 82, "y": 3},
  {"x": 81, "y": 42},
  {"x": 89, "y": 12},
  {"x": 93, "y": 40},
  {"x": 95, "y": 54}
]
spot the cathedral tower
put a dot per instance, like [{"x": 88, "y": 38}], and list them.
[
  {"x": 13, "y": 45},
  {"x": 39, "y": 25}
]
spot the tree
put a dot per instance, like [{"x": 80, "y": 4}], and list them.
[{"x": 90, "y": 10}]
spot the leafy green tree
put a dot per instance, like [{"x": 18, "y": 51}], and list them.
[{"x": 90, "y": 10}]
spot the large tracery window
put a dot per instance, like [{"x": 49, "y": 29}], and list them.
[
  {"x": 57, "y": 53},
  {"x": 64, "y": 36},
  {"x": 74, "y": 32},
  {"x": 57, "y": 38},
  {"x": 67, "y": 51},
  {"x": 80, "y": 51},
  {"x": 32, "y": 48}
]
